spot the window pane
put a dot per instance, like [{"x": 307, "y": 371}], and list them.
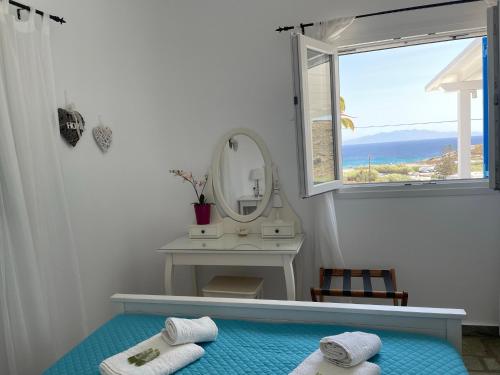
[
  {"x": 320, "y": 111},
  {"x": 413, "y": 113}
]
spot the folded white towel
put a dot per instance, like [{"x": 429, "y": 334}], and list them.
[
  {"x": 181, "y": 331},
  {"x": 316, "y": 364},
  {"x": 171, "y": 358},
  {"x": 350, "y": 348}
]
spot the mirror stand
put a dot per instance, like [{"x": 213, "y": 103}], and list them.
[
  {"x": 270, "y": 214},
  {"x": 270, "y": 235}
]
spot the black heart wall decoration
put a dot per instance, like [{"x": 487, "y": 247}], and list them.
[{"x": 71, "y": 125}]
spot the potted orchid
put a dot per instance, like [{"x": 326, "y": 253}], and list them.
[{"x": 201, "y": 206}]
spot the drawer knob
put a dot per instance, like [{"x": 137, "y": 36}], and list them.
[
  {"x": 276, "y": 230},
  {"x": 203, "y": 231}
]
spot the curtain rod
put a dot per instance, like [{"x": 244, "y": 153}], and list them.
[
  {"x": 28, "y": 8},
  {"x": 453, "y": 2}
]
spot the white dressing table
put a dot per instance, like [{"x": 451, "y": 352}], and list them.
[
  {"x": 233, "y": 250},
  {"x": 238, "y": 152}
]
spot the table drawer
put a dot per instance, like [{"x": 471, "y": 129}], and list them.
[
  {"x": 206, "y": 231},
  {"x": 270, "y": 230}
]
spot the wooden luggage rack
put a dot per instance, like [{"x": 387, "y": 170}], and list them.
[{"x": 326, "y": 281}]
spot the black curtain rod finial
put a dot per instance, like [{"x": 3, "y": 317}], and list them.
[
  {"x": 61, "y": 20},
  {"x": 284, "y": 28},
  {"x": 302, "y": 27}
]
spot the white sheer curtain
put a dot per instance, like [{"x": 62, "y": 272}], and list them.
[
  {"x": 326, "y": 237},
  {"x": 328, "y": 253},
  {"x": 41, "y": 309},
  {"x": 329, "y": 31}
]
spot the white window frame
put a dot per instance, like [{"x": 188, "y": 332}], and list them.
[
  {"x": 412, "y": 188},
  {"x": 300, "y": 45},
  {"x": 493, "y": 97}
]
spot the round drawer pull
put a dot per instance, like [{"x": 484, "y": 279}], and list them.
[
  {"x": 276, "y": 230},
  {"x": 203, "y": 231}
]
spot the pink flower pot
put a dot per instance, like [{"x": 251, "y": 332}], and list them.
[{"x": 202, "y": 212}]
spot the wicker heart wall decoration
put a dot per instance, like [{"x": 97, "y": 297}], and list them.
[
  {"x": 71, "y": 125},
  {"x": 103, "y": 136}
]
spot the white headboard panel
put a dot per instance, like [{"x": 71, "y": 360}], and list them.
[{"x": 443, "y": 323}]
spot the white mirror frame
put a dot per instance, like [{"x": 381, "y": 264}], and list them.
[{"x": 219, "y": 196}]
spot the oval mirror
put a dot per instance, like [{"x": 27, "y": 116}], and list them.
[{"x": 242, "y": 176}]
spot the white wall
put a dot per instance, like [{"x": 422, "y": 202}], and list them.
[
  {"x": 123, "y": 204},
  {"x": 446, "y": 250},
  {"x": 170, "y": 77}
]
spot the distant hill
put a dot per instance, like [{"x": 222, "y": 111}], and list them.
[{"x": 401, "y": 136}]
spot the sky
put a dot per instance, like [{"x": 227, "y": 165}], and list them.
[{"x": 388, "y": 87}]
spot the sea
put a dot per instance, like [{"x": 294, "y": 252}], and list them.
[{"x": 356, "y": 155}]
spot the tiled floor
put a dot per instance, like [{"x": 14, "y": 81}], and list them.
[{"x": 481, "y": 354}]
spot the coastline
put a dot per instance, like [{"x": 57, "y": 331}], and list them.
[{"x": 441, "y": 167}]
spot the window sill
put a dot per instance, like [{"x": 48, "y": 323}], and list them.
[{"x": 398, "y": 190}]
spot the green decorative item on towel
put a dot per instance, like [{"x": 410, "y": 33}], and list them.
[{"x": 143, "y": 357}]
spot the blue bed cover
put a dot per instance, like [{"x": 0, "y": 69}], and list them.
[{"x": 259, "y": 348}]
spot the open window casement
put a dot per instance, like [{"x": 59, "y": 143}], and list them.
[
  {"x": 317, "y": 108},
  {"x": 493, "y": 98}
]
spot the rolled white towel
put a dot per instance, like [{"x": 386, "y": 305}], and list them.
[
  {"x": 350, "y": 348},
  {"x": 170, "y": 359},
  {"x": 181, "y": 331},
  {"x": 316, "y": 364}
]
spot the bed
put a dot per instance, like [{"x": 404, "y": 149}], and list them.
[{"x": 273, "y": 337}]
